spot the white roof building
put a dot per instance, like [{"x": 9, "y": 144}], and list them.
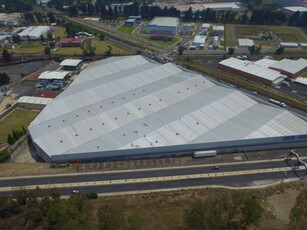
[
  {"x": 291, "y": 67},
  {"x": 34, "y": 32},
  {"x": 34, "y": 100},
  {"x": 53, "y": 75},
  {"x": 71, "y": 62},
  {"x": 301, "y": 80},
  {"x": 164, "y": 21},
  {"x": 218, "y": 6},
  {"x": 254, "y": 69},
  {"x": 290, "y": 10},
  {"x": 199, "y": 41},
  {"x": 218, "y": 28},
  {"x": 244, "y": 43},
  {"x": 289, "y": 45},
  {"x": 132, "y": 107},
  {"x": 265, "y": 62}
]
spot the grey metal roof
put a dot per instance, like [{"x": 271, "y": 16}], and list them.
[
  {"x": 290, "y": 66},
  {"x": 164, "y": 21},
  {"x": 131, "y": 102}
]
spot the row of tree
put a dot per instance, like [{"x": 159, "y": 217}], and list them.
[
  {"x": 26, "y": 210},
  {"x": 35, "y": 210},
  {"x": 11, "y": 6},
  {"x": 4, "y": 78},
  {"x": 15, "y": 135}
]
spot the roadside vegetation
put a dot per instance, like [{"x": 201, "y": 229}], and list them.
[
  {"x": 15, "y": 121},
  {"x": 209, "y": 208}
]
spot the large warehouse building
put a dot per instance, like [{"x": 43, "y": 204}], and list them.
[
  {"x": 131, "y": 107},
  {"x": 34, "y": 33},
  {"x": 253, "y": 70},
  {"x": 163, "y": 25}
]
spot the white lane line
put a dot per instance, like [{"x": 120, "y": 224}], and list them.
[{"x": 144, "y": 180}]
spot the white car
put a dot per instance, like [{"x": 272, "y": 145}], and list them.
[
  {"x": 75, "y": 191},
  {"x": 254, "y": 93}
]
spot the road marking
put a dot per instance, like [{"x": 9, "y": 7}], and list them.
[
  {"x": 144, "y": 180},
  {"x": 146, "y": 169}
]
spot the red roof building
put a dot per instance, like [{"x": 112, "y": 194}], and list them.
[{"x": 71, "y": 42}]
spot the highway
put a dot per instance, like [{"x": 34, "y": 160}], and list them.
[{"x": 230, "y": 174}]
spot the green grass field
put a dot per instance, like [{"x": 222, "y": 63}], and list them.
[
  {"x": 29, "y": 48},
  {"x": 162, "y": 43},
  {"x": 287, "y": 34},
  {"x": 126, "y": 29},
  {"x": 60, "y": 32},
  {"x": 101, "y": 48},
  {"x": 15, "y": 120}
]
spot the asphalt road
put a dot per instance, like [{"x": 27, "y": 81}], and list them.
[
  {"x": 231, "y": 181},
  {"x": 53, "y": 179}
]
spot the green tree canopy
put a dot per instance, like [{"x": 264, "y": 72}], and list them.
[
  {"x": 110, "y": 218},
  {"x": 251, "y": 212}
]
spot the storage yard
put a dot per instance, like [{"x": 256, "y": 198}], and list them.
[{"x": 132, "y": 107}]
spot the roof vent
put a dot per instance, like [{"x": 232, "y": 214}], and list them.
[
  {"x": 88, "y": 110},
  {"x": 102, "y": 123},
  {"x": 101, "y": 106},
  {"x": 77, "y": 115},
  {"x": 91, "y": 129},
  {"x": 49, "y": 126},
  {"x": 97, "y": 147},
  {"x": 128, "y": 113},
  {"x": 115, "y": 118},
  {"x": 76, "y": 134},
  {"x": 61, "y": 141}
]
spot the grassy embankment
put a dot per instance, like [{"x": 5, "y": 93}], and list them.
[{"x": 15, "y": 120}]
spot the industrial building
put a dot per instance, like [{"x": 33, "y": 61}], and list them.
[
  {"x": 217, "y": 31},
  {"x": 53, "y": 75},
  {"x": 245, "y": 43},
  {"x": 34, "y": 33},
  {"x": 138, "y": 19},
  {"x": 301, "y": 80},
  {"x": 71, "y": 64},
  {"x": 289, "y": 45},
  {"x": 284, "y": 3},
  {"x": 187, "y": 28},
  {"x": 36, "y": 103},
  {"x": 291, "y": 68},
  {"x": 130, "y": 22},
  {"x": 72, "y": 42},
  {"x": 252, "y": 71},
  {"x": 289, "y": 11},
  {"x": 199, "y": 41},
  {"x": 205, "y": 27},
  {"x": 132, "y": 107},
  {"x": 163, "y": 25},
  {"x": 218, "y": 6},
  {"x": 12, "y": 19}
]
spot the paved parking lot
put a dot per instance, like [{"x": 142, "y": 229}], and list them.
[{"x": 15, "y": 71}]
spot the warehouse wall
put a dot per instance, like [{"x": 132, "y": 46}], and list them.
[{"x": 259, "y": 144}]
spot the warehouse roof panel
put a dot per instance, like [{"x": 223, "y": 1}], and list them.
[
  {"x": 71, "y": 62},
  {"x": 290, "y": 66},
  {"x": 55, "y": 75},
  {"x": 131, "y": 102},
  {"x": 164, "y": 21},
  {"x": 246, "y": 42}
]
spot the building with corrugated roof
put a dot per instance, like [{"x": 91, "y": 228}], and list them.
[
  {"x": 34, "y": 33},
  {"x": 132, "y": 107},
  {"x": 163, "y": 25},
  {"x": 291, "y": 68},
  {"x": 252, "y": 70}
]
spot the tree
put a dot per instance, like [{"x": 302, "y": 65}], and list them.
[
  {"x": 51, "y": 17},
  {"x": 4, "y": 78},
  {"x": 139, "y": 52},
  {"x": 4, "y": 156},
  {"x": 251, "y": 213},
  {"x": 280, "y": 50},
  {"x": 10, "y": 139},
  {"x": 47, "y": 50},
  {"x": 203, "y": 216},
  {"x": 294, "y": 19},
  {"x": 101, "y": 37},
  {"x": 110, "y": 218},
  {"x": 51, "y": 44},
  {"x": 6, "y": 55},
  {"x": 16, "y": 38},
  {"x": 50, "y": 37},
  {"x": 188, "y": 15},
  {"x": 136, "y": 222},
  {"x": 42, "y": 38},
  {"x": 88, "y": 49},
  {"x": 180, "y": 50},
  {"x": 231, "y": 50},
  {"x": 108, "y": 52}
]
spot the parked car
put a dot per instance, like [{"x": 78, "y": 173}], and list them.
[{"x": 216, "y": 167}]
